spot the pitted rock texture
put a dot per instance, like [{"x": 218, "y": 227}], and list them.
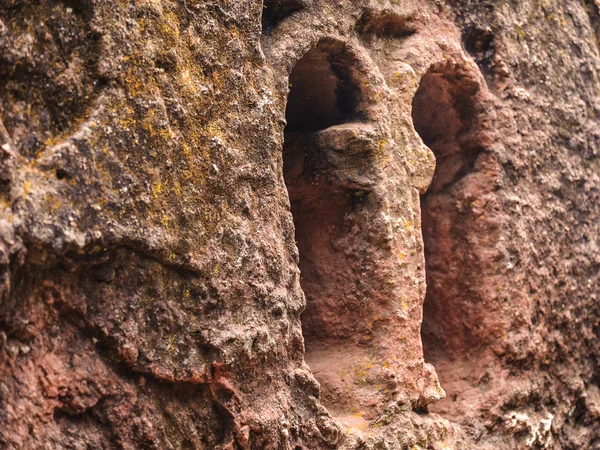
[{"x": 299, "y": 224}]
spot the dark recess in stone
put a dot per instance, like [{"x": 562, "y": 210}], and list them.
[
  {"x": 421, "y": 410},
  {"x": 443, "y": 113},
  {"x": 318, "y": 98},
  {"x": 392, "y": 26},
  {"x": 479, "y": 43},
  {"x": 445, "y": 116},
  {"x": 61, "y": 174},
  {"x": 322, "y": 92},
  {"x": 274, "y": 11}
]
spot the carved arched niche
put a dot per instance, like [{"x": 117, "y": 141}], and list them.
[
  {"x": 459, "y": 318},
  {"x": 328, "y": 154},
  {"x": 361, "y": 335}
]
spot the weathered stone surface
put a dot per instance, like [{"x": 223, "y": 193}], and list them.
[{"x": 223, "y": 223}]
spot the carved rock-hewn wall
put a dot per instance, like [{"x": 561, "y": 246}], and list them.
[{"x": 299, "y": 224}]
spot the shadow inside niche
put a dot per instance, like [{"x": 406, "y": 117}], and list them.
[
  {"x": 445, "y": 115},
  {"x": 320, "y": 97},
  {"x": 323, "y": 95}
]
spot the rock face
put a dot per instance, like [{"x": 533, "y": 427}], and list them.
[{"x": 299, "y": 224}]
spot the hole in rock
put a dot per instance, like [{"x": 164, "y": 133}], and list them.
[
  {"x": 479, "y": 43},
  {"x": 322, "y": 91},
  {"x": 393, "y": 26},
  {"x": 445, "y": 116},
  {"x": 322, "y": 94},
  {"x": 274, "y": 11},
  {"x": 61, "y": 174}
]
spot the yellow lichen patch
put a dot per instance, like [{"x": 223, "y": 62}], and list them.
[
  {"x": 133, "y": 82},
  {"x": 381, "y": 147},
  {"x": 405, "y": 80},
  {"x": 361, "y": 371},
  {"x": 219, "y": 80},
  {"x": 172, "y": 343},
  {"x": 4, "y": 205},
  {"x": 187, "y": 151},
  {"x": 238, "y": 319},
  {"x": 26, "y": 188},
  {"x": 177, "y": 188},
  {"x": 126, "y": 116},
  {"x": 355, "y": 421},
  {"x": 157, "y": 190},
  {"x": 149, "y": 125},
  {"x": 216, "y": 269},
  {"x": 146, "y": 300},
  {"x": 166, "y": 221},
  {"x": 397, "y": 76},
  {"x": 53, "y": 202},
  {"x": 214, "y": 130},
  {"x": 168, "y": 28}
]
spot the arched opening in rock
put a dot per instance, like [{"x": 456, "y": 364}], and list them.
[
  {"x": 322, "y": 91},
  {"x": 445, "y": 114},
  {"x": 323, "y": 98}
]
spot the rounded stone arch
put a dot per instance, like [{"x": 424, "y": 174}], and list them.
[
  {"x": 325, "y": 106},
  {"x": 329, "y": 85},
  {"x": 330, "y": 142},
  {"x": 449, "y": 112}
]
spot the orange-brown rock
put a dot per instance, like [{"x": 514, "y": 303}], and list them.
[{"x": 299, "y": 224}]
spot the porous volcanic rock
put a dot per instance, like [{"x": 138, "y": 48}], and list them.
[{"x": 299, "y": 224}]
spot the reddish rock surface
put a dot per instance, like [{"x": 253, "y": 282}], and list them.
[{"x": 299, "y": 224}]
